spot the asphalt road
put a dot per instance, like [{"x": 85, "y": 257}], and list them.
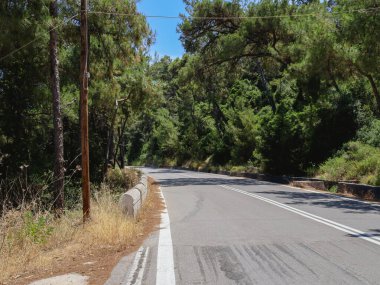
[{"x": 228, "y": 230}]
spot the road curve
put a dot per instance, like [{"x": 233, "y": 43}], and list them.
[{"x": 227, "y": 230}]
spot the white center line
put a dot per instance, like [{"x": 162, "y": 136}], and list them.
[
  {"x": 316, "y": 218},
  {"x": 330, "y": 223},
  {"x": 165, "y": 263},
  {"x": 326, "y": 194}
]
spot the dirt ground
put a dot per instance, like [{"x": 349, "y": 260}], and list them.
[{"x": 98, "y": 263}]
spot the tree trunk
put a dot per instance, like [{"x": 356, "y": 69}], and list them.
[
  {"x": 118, "y": 147},
  {"x": 332, "y": 78},
  {"x": 59, "y": 171},
  {"x": 122, "y": 146},
  {"x": 122, "y": 152},
  {"x": 264, "y": 82},
  {"x": 375, "y": 91},
  {"x": 109, "y": 151}
]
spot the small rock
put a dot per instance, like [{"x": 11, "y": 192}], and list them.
[
  {"x": 67, "y": 279},
  {"x": 89, "y": 263}
]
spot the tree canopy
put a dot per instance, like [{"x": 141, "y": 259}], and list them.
[{"x": 279, "y": 85}]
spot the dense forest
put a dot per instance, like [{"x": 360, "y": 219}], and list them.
[{"x": 277, "y": 86}]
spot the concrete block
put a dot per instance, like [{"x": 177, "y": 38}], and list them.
[
  {"x": 130, "y": 202},
  {"x": 143, "y": 189},
  {"x": 144, "y": 180}
]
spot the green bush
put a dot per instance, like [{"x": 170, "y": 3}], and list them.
[
  {"x": 355, "y": 161},
  {"x": 333, "y": 189},
  {"x": 120, "y": 180},
  {"x": 36, "y": 227},
  {"x": 370, "y": 133},
  {"x": 115, "y": 178}
]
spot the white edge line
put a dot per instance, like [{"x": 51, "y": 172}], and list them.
[
  {"x": 135, "y": 265},
  {"x": 165, "y": 262},
  {"x": 139, "y": 278}
]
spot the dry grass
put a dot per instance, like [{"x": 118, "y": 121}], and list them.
[
  {"x": 31, "y": 243},
  {"x": 109, "y": 225}
]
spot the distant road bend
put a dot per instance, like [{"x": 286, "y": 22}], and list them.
[{"x": 227, "y": 230}]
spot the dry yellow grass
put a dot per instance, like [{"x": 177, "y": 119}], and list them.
[{"x": 29, "y": 244}]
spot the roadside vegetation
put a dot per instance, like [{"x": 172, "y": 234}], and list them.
[
  {"x": 355, "y": 161},
  {"x": 40, "y": 187},
  {"x": 34, "y": 241}
]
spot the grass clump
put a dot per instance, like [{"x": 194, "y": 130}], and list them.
[
  {"x": 355, "y": 161},
  {"x": 27, "y": 234},
  {"x": 333, "y": 189},
  {"x": 109, "y": 226},
  {"x": 242, "y": 168}
]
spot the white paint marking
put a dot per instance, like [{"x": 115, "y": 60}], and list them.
[
  {"x": 165, "y": 263},
  {"x": 316, "y": 218},
  {"x": 135, "y": 265},
  {"x": 338, "y": 226},
  {"x": 138, "y": 267},
  {"x": 328, "y": 195},
  {"x": 142, "y": 269}
]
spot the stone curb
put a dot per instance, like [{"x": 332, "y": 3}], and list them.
[{"x": 131, "y": 201}]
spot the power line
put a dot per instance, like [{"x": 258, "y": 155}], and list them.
[
  {"x": 38, "y": 37},
  {"x": 364, "y": 10}
]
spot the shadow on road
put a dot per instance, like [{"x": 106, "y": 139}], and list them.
[
  {"x": 324, "y": 200},
  {"x": 369, "y": 233},
  {"x": 176, "y": 182},
  {"x": 294, "y": 197}
]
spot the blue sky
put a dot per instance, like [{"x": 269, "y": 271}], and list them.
[{"x": 167, "y": 39}]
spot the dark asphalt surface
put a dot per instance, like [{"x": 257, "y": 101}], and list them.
[{"x": 229, "y": 230}]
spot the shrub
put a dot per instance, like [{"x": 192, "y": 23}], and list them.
[
  {"x": 36, "y": 227},
  {"x": 120, "y": 180},
  {"x": 333, "y": 189},
  {"x": 355, "y": 161},
  {"x": 370, "y": 134}
]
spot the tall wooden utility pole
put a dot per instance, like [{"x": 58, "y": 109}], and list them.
[{"x": 84, "y": 75}]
